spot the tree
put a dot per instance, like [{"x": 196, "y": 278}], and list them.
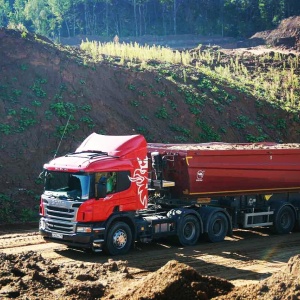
[
  {"x": 137, "y": 17},
  {"x": 4, "y": 12},
  {"x": 272, "y": 11},
  {"x": 107, "y": 4},
  {"x": 17, "y": 15},
  {"x": 60, "y": 9},
  {"x": 38, "y": 12},
  {"x": 174, "y": 5},
  {"x": 292, "y": 7}
]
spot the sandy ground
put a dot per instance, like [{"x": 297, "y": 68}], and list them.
[{"x": 35, "y": 269}]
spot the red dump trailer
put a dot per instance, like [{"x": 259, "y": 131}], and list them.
[{"x": 115, "y": 190}]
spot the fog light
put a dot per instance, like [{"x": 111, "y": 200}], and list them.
[
  {"x": 42, "y": 225},
  {"x": 84, "y": 229}
]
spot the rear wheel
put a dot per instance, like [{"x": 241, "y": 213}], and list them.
[
  {"x": 284, "y": 220},
  {"x": 119, "y": 239},
  {"x": 217, "y": 227},
  {"x": 189, "y": 230}
]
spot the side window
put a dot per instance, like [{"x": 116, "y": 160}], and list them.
[
  {"x": 114, "y": 181},
  {"x": 111, "y": 181},
  {"x": 107, "y": 178},
  {"x": 123, "y": 182}
]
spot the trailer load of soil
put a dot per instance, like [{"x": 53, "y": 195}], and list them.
[{"x": 228, "y": 146}]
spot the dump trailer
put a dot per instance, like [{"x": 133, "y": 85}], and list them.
[{"x": 115, "y": 190}]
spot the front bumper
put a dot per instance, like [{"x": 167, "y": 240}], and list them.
[
  {"x": 78, "y": 240},
  {"x": 93, "y": 240}
]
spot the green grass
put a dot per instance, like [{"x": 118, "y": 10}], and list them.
[{"x": 276, "y": 84}]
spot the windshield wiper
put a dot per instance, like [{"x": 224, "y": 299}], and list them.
[{"x": 90, "y": 154}]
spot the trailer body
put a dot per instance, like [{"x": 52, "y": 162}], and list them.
[{"x": 114, "y": 190}]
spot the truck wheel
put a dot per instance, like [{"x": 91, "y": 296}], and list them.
[
  {"x": 297, "y": 225},
  {"x": 189, "y": 231},
  {"x": 284, "y": 220},
  {"x": 119, "y": 239},
  {"x": 217, "y": 227}
]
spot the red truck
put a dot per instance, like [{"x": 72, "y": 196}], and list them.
[{"x": 115, "y": 190}]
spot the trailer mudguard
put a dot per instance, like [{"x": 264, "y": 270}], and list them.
[
  {"x": 178, "y": 215},
  {"x": 189, "y": 225}
]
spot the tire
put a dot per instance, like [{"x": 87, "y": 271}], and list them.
[
  {"x": 297, "y": 225},
  {"x": 188, "y": 231},
  {"x": 119, "y": 239},
  {"x": 284, "y": 220},
  {"x": 217, "y": 228}
]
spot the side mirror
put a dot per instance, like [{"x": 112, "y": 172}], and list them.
[{"x": 101, "y": 188}]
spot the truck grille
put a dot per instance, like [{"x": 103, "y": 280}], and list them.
[{"x": 60, "y": 215}]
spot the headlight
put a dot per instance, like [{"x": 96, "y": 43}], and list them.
[{"x": 84, "y": 229}]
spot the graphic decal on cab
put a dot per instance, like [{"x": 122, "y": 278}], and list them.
[{"x": 140, "y": 178}]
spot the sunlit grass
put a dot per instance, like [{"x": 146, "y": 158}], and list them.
[{"x": 279, "y": 85}]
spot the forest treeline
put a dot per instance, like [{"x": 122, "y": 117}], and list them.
[{"x": 57, "y": 18}]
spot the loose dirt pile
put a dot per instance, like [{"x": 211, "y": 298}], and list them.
[
  {"x": 286, "y": 35},
  {"x": 284, "y": 284},
  {"x": 30, "y": 276},
  {"x": 178, "y": 281}
]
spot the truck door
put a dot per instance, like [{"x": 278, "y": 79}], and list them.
[
  {"x": 127, "y": 192},
  {"x": 105, "y": 204}
]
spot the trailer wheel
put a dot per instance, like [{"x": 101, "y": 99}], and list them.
[
  {"x": 284, "y": 220},
  {"x": 217, "y": 227},
  {"x": 189, "y": 230},
  {"x": 119, "y": 239},
  {"x": 297, "y": 225}
]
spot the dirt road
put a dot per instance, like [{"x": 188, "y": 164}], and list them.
[{"x": 247, "y": 257}]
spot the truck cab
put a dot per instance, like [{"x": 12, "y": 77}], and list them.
[{"x": 85, "y": 191}]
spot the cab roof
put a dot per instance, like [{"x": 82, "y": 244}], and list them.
[{"x": 113, "y": 145}]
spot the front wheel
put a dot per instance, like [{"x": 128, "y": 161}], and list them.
[
  {"x": 119, "y": 239},
  {"x": 284, "y": 220},
  {"x": 189, "y": 230},
  {"x": 217, "y": 227}
]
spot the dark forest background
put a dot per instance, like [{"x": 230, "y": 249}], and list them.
[{"x": 67, "y": 18}]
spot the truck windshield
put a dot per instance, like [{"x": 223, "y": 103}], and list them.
[{"x": 70, "y": 185}]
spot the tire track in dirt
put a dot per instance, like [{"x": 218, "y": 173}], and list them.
[
  {"x": 247, "y": 257},
  {"x": 20, "y": 240}
]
